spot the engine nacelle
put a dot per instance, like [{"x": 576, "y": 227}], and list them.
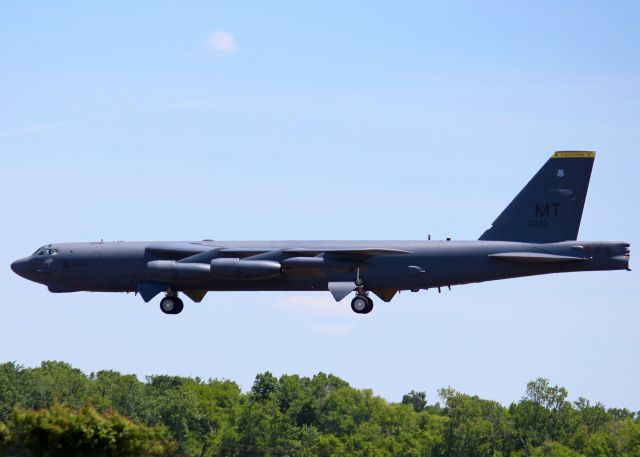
[
  {"x": 236, "y": 268},
  {"x": 170, "y": 270}
]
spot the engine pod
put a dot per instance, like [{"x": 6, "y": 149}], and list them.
[
  {"x": 236, "y": 268},
  {"x": 170, "y": 270}
]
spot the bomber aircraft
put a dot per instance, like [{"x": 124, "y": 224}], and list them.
[{"x": 536, "y": 234}]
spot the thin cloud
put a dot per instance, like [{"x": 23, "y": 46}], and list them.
[
  {"x": 219, "y": 42},
  {"x": 315, "y": 305}
]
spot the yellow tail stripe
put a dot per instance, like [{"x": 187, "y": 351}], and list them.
[{"x": 573, "y": 155}]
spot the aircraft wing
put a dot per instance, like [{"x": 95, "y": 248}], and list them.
[
  {"x": 348, "y": 253},
  {"x": 355, "y": 254},
  {"x": 177, "y": 250},
  {"x": 181, "y": 250}
]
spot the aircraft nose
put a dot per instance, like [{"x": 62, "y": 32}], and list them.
[{"x": 20, "y": 267}]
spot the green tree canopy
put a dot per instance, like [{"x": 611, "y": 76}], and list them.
[
  {"x": 60, "y": 431},
  {"x": 55, "y": 409}
]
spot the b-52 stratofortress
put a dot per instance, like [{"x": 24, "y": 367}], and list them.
[{"x": 536, "y": 234}]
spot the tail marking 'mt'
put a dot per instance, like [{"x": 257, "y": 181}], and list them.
[{"x": 549, "y": 208}]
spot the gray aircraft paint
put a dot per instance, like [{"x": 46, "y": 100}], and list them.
[
  {"x": 536, "y": 234},
  {"x": 549, "y": 208}
]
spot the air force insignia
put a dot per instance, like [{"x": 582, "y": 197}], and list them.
[{"x": 560, "y": 173}]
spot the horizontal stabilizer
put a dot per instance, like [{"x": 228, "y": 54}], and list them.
[{"x": 535, "y": 257}]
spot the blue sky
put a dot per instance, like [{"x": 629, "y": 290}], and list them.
[{"x": 358, "y": 120}]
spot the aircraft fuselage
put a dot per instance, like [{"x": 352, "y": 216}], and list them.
[
  {"x": 121, "y": 266},
  {"x": 527, "y": 238}
]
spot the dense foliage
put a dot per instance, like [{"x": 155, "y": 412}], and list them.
[{"x": 56, "y": 410}]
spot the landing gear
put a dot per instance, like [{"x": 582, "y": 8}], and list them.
[
  {"x": 171, "y": 304},
  {"x": 362, "y": 304},
  {"x": 358, "y": 281}
]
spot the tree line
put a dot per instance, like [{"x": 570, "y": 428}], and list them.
[{"x": 57, "y": 410}]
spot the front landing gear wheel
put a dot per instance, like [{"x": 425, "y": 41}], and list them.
[
  {"x": 171, "y": 305},
  {"x": 362, "y": 304}
]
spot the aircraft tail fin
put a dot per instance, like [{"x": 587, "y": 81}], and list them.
[{"x": 549, "y": 208}]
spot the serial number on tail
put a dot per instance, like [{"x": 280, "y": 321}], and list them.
[{"x": 539, "y": 223}]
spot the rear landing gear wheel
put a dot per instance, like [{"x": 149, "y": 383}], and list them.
[
  {"x": 369, "y": 307},
  {"x": 361, "y": 304},
  {"x": 171, "y": 305}
]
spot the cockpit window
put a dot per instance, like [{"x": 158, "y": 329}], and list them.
[{"x": 46, "y": 251}]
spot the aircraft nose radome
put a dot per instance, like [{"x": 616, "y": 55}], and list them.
[{"x": 19, "y": 267}]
